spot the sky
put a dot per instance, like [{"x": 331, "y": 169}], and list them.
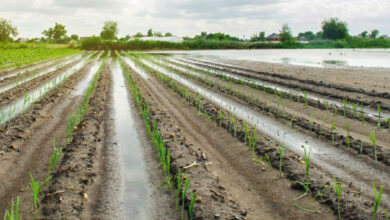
[{"x": 240, "y": 18}]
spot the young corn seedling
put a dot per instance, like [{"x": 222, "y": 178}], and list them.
[
  {"x": 332, "y": 129},
  {"x": 334, "y": 110},
  {"x": 379, "y": 116},
  {"x": 281, "y": 149},
  {"x": 373, "y": 140},
  {"x": 246, "y": 130},
  {"x": 13, "y": 214},
  {"x": 338, "y": 188},
  {"x": 183, "y": 196},
  {"x": 377, "y": 197},
  {"x": 386, "y": 215},
  {"x": 192, "y": 204},
  {"x": 354, "y": 110},
  {"x": 307, "y": 169},
  {"x": 36, "y": 188},
  {"x": 305, "y": 97},
  {"x": 178, "y": 189},
  {"x": 54, "y": 158},
  {"x": 347, "y": 138},
  {"x": 220, "y": 117},
  {"x": 345, "y": 107}
]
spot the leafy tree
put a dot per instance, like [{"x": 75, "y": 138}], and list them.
[
  {"x": 203, "y": 35},
  {"x": 364, "y": 34},
  {"x": 259, "y": 37},
  {"x": 158, "y": 34},
  {"x": 110, "y": 30},
  {"x": 334, "y": 29},
  {"x": 150, "y": 32},
  {"x": 7, "y": 30},
  {"x": 374, "y": 34},
  {"x": 74, "y": 37},
  {"x": 168, "y": 34},
  {"x": 285, "y": 34},
  {"x": 309, "y": 35},
  {"x": 56, "y": 33},
  {"x": 138, "y": 34},
  {"x": 319, "y": 35}
]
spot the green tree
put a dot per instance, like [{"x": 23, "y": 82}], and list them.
[
  {"x": 56, "y": 33},
  {"x": 168, "y": 34},
  {"x": 139, "y": 34},
  {"x": 334, "y": 29},
  {"x": 374, "y": 34},
  {"x": 203, "y": 35},
  {"x": 74, "y": 37},
  {"x": 158, "y": 34},
  {"x": 7, "y": 30},
  {"x": 364, "y": 34},
  {"x": 319, "y": 35},
  {"x": 309, "y": 35},
  {"x": 262, "y": 36},
  {"x": 285, "y": 34},
  {"x": 150, "y": 32},
  {"x": 110, "y": 30}
]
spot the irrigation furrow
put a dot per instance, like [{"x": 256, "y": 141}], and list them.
[
  {"x": 333, "y": 161},
  {"x": 42, "y": 73},
  {"x": 342, "y": 88},
  {"x": 36, "y": 67},
  {"x": 357, "y": 129},
  {"x": 323, "y": 98},
  {"x": 20, "y": 104}
]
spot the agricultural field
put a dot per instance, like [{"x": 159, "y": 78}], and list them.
[{"x": 133, "y": 135}]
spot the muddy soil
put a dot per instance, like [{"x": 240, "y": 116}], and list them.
[
  {"x": 26, "y": 142},
  {"x": 88, "y": 182},
  {"x": 302, "y": 114},
  {"x": 353, "y": 207},
  {"x": 249, "y": 185},
  {"x": 368, "y": 79},
  {"x": 20, "y": 90},
  {"x": 353, "y": 94}
]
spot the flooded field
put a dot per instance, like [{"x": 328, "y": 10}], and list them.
[
  {"x": 198, "y": 135},
  {"x": 302, "y": 57}
]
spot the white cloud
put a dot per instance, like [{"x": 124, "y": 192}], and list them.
[{"x": 189, "y": 17}]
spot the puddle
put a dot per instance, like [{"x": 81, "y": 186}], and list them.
[
  {"x": 134, "y": 66},
  {"x": 134, "y": 177},
  {"x": 334, "y": 161},
  {"x": 41, "y": 73},
  {"x": 20, "y": 104},
  {"x": 369, "y": 112}
]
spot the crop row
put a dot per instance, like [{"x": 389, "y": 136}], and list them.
[{"x": 242, "y": 132}]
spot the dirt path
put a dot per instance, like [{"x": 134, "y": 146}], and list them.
[
  {"x": 27, "y": 142},
  {"x": 254, "y": 190}
]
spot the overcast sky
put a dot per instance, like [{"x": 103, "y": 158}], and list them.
[{"x": 189, "y": 17}]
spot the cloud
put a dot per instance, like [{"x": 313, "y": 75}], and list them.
[{"x": 189, "y": 17}]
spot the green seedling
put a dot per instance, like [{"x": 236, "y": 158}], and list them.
[
  {"x": 192, "y": 204},
  {"x": 305, "y": 98},
  {"x": 332, "y": 129},
  {"x": 334, "y": 110},
  {"x": 338, "y": 188},
  {"x": 347, "y": 138},
  {"x": 377, "y": 197},
  {"x": 388, "y": 123},
  {"x": 362, "y": 113},
  {"x": 178, "y": 189},
  {"x": 354, "y": 110},
  {"x": 220, "y": 117},
  {"x": 183, "y": 196},
  {"x": 281, "y": 149},
  {"x": 246, "y": 130},
  {"x": 379, "y": 116},
  {"x": 307, "y": 169},
  {"x": 345, "y": 106},
  {"x": 13, "y": 214},
  {"x": 373, "y": 140}
]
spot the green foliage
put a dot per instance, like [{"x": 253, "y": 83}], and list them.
[
  {"x": 377, "y": 197},
  {"x": 150, "y": 33},
  {"x": 10, "y": 58},
  {"x": 110, "y": 30},
  {"x": 7, "y": 30},
  {"x": 285, "y": 34},
  {"x": 14, "y": 213},
  {"x": 259, "y": 37},
  {"x": 56, "y": 33},
  {"x": 334, "y": 29},
  {"x": 308, "y": 35},
  {"x": 374, "y": 34}
]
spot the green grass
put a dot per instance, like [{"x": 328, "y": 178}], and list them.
[{"x": 339, "y": 189}]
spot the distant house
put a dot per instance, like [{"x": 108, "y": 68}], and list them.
[
  {"x": 169, "y": 39},
  {"x": 22, "y": 40},
  {"x": 273, "y": 38}
]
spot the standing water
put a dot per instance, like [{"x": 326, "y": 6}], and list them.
[{"x": 134, "y": 177}]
